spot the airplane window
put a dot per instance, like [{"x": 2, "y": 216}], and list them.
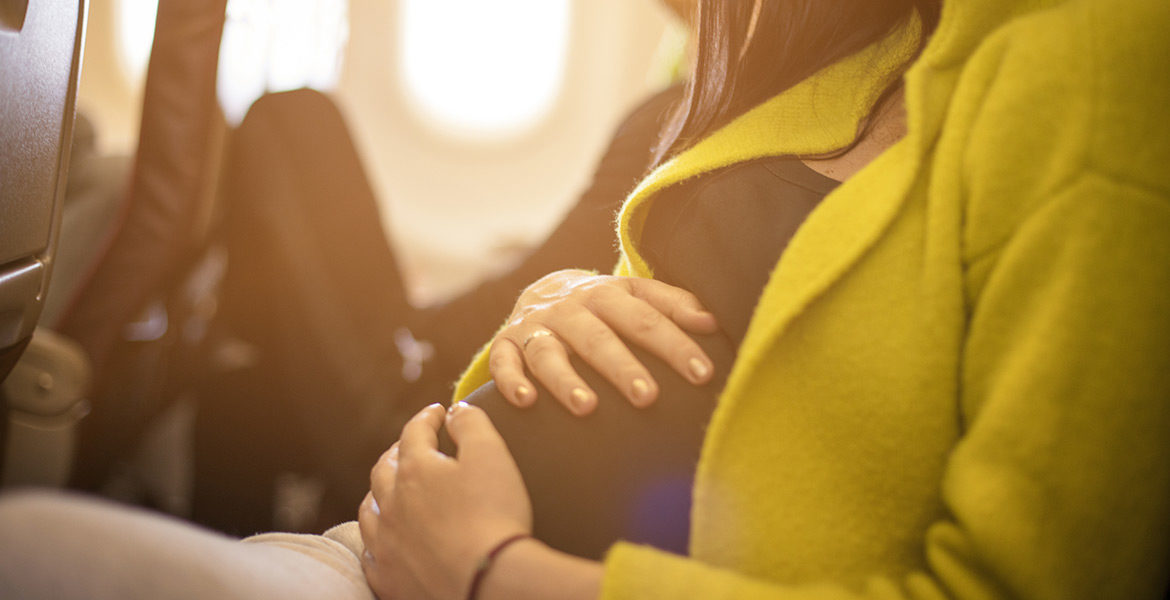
[
  {"x": 276, "y": 45},
  {"x": 268, "y": 46},
  {"x": 135, "y": 35},
  {"x": 483, "y": 69}
]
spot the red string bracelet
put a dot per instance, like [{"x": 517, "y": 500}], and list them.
[{"x": 486, "y": 562}]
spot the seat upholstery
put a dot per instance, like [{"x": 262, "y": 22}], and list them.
[
  {"x": 175, "y": 167},
  {"x": 122, "y": 311},
  {"x": 39, "y": 66},
  {"x": 40, "y": 52}
]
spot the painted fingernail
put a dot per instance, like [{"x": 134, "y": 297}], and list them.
[
  {"x": 580, "y": 398},
  {"x": 642, "y": 393},
  {"x": 523, "y": 395},
  {"x": 699, "y": 369}
]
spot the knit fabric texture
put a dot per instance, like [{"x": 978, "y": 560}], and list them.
[{"x": 956, "y": 383}]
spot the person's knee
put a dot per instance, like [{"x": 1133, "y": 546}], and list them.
[
  {"x": 28, "y": 521},
  {"x": 32, "y": 523},
  {"x": 21, "y": 512},
  {"x": 39, "y": 526}
]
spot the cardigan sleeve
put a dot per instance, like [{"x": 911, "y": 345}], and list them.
[{"x": 1059, "y": 486}]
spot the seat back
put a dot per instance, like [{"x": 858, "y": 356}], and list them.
[
  {"x": 158, "y": 234},
  {"x": 40, "y": 51},
  {"x": 131, "y": 312},
  {"x": 40, "y": 63}
]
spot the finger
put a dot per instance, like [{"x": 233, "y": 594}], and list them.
[
  {"x": 597, "y": 344},
  {"x": 681, "y": 306},
  {"x": 368, "y": 528},
  {"x": 507, "y": 367},
  {"x": 384, "y": 473},
  {"x": 548, "y": 359},
  {"x": 646, "y": 326},
  {"x": 472, "y": 431},
  {"x": 420, "y": 434},
  {"x": 368, "y": 513}
]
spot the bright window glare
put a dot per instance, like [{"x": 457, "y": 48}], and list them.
[
  {"x": 243, "y": 57},
  {"x": 268, "y": 46},
  {"x": 476, "y": 67},
  {"x": 307, "y": 43},
  {"x": 135, "y": 35},
  {"x": 275, "y": 45}
]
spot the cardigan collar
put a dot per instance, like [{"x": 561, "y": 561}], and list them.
[
  {"x": 821, "y": 114},
  {"x": 824, "y": 112}
]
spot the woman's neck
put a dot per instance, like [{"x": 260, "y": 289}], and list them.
[{"x": 889, "y": 126}]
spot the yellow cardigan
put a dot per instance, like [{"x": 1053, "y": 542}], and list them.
[{"x": 957, "y": 381}]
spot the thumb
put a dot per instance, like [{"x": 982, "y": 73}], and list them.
[{"x": 473, "y": 432}]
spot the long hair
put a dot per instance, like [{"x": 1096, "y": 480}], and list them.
[{"x": 751, "y": 50}]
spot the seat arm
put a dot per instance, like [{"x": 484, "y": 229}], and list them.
[{"x": 46, "y": 394}]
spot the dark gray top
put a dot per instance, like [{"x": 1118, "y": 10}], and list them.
[{"x": 626, "y": 473}]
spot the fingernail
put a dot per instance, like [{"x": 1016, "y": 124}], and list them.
[
  {"x": 524, "y": 395},
  {"x": 580, "y": 399},
  {"x": 455, "y": 408},
  {"x": 699, "y": 369},
  {"x": 642, "y": 392}
]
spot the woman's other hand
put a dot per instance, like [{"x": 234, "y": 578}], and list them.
[
  {"x": 578, "y": 311},
  {"x": 429, "y": 518}
]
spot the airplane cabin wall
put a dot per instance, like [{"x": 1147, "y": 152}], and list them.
[
  {"x": 109, "y": 95},
  {"x": 455, "y": 207}
]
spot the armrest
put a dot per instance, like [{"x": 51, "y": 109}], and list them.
[
  {"x": 50, "y": 380},
  {"x": 46, "y": 395}
]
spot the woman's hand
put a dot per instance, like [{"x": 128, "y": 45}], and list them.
[
  {"x": 584, "y": 312},
  {"x": 429, "y": 518}
]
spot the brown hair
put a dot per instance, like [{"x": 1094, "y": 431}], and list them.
[{"x": 749, "y": 51}]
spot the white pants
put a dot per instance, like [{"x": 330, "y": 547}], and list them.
[{"x": 56, "y": 546}]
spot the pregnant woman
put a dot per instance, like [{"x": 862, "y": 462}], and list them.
[{"x": 950, "y": 381}]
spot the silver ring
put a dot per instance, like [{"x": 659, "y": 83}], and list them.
[{"x": 532, "y": 336}]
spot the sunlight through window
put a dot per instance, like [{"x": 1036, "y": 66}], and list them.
[
  {"x": 268, "y": 46},
  {"x": 276, "y": 45},
  {"x": 483, "y": 69},
  {"x": 135, "y": 35}
]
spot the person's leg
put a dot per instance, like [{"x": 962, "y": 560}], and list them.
[
  {"x": 313, "y": 292},
  {"x": 55, "y": 546}
]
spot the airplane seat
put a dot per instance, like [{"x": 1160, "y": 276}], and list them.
[
  {"x": 310, "y": 279},
  {"x": 157, "y": 316},
  {"x": 42, "y": 394},
  {"x": 138, "y": 310}
]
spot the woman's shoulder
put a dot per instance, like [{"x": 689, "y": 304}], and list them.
[
  {"x": 1057, "y": 96},
  {"x": 1080, "y": 87}
]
